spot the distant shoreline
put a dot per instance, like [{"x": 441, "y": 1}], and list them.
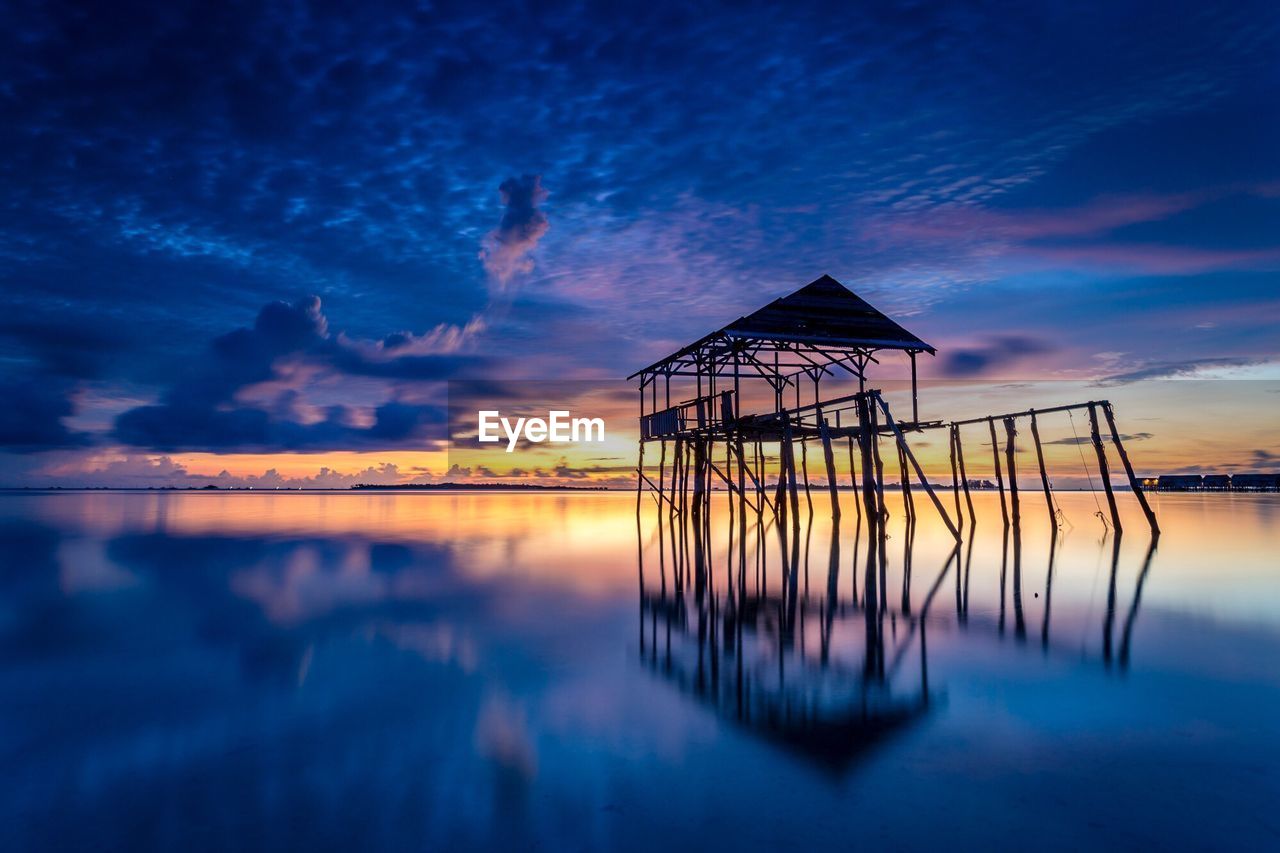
[{"x": 490, "y": 487}]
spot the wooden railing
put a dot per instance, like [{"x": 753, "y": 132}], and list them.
[{"x": 706, "y": 412}]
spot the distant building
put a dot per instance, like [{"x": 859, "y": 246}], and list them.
[
  {"x": 1213, "y": 483},
  {"x": 1255, "y": 482},
  {"x": 1179, "y": 483}
]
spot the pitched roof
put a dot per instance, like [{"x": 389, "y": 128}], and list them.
[{"x": 825, "y": 312}]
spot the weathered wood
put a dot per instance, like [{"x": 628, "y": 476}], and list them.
[
  {"x": 964, "y": 477},
  {"x": 793, "y": 491},
  {"x": 1128, "y": 469},
  {"x": 640, "y": 477},
  {"x": 879, "y": 462},
  {"x": 908, "y": 506},
  {"x": 1103, "y": 470},
  {"x": 868, "y": 480},
  {"x": 853, "y": 482},
  {"x": 829, "y": 457},
  {"x": 1010, "y": 458},
  {"x": 1044, "y": 476},
  {"x": 955, "y": 478},
  {"x": 995, "y": 456},
  {"x": 924, "y": 481}
]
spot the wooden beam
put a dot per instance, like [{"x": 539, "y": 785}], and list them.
[
  {"x": 964, "y": 476},
  {"x": 1010, "y": 451},
  {"x": 902, "y": 443},
  {"x": 1044, "y": 476},
  {"x": 1103, "y": 470},
  {"x": 1128, "y": 469},
  {"x": 995, "y": 455},
  {"x": 829, "y": 457}
]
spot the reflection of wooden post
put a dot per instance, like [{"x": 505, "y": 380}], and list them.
[
  {"x": 964, "y": 476},
  {"x": 1103, "y": 470},
  {"x": 1044, "y": 477},
  {"x": 1010, "y": 450},
  {"x": 1128, "y": 469},
  {"x": 995, "y": 457},
  {"x": 829, "y": 458}
]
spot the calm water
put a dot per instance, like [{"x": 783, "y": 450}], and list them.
[{"x": 432, "y": 671}]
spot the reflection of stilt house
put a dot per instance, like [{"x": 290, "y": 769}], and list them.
[{"x": 776, "y": 360}]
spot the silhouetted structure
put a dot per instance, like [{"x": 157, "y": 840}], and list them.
[
  {"x": 823, "y": 330},
  {"x": 1213, "y": 483}
]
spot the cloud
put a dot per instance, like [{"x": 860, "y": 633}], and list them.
[
  {"x": 31, "y": 419},
  {"x": 1084, "y": 439},
  {"x": 999, "y": 352},
  {"x": 206, "y": 409},
  {"x": 506, "y": 249},
  {"x": 1175, "y": 369}
]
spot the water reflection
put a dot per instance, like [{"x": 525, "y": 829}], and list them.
[
  {"x": 807, "y": 672},
  {"x": 212, "y": 671}
]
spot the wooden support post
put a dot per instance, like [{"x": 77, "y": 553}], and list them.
[
  {"x": 662, "y": 467},
  {"x": 915, "y": 397},
  {"x": 868, "y": 481},
  {"x": 955, "y": 478},
  {"x": 879, "y": 462},
  {"x": 791, "y": 474},
  {"x": 995, "y": 455},
  {"x": 1103, "y": 471},
  {"x": 964, "y": 476},
  {"x": 853, "y": 483},
  {"x": 804, "y": 471},
  {"x": 924, "y": 482},
  {"x": 640, "y": 477},
  {"x": 908, "y": 505},
  {"x": 1010, "y": 459},
  {"x": 1128, "y": 469},
  {"x": 829, "y": 457},
  {"x": 1044, "y": 476},
  {"x": 780, "y": 495}
]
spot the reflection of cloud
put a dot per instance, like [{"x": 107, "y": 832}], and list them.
[{"x": 502, "y": 736}]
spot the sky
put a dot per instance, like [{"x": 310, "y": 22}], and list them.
[{"x": 253, "y": 243}]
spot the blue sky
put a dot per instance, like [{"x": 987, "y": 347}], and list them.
[{"x": 551, "y": 191}]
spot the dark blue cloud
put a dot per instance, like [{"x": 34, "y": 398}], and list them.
[{"x": 200, "y": 411}]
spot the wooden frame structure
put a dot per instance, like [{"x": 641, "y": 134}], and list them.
[{"x": 823, "y": 330}]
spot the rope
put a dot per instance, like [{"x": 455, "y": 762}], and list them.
[{"x": 1087, "y": 472}]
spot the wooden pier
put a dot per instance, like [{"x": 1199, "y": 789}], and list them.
[{"x": 777, "y": 360}]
